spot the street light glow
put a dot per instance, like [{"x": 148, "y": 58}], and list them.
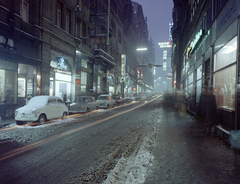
[{"x": 140, "y": 49}]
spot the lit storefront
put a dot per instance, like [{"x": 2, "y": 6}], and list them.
[
  {"x": 18, "y": 74},
  {"x": 60, "y": 78},
  {"x": 211, "y": 59},
  {"x": 8, "y": 87},
  {"x": 27, "y": 83}
]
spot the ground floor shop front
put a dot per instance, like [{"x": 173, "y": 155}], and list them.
[{"x": 215, "y": 65}]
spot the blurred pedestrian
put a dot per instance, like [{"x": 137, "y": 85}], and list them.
[
  {"x": 201, "y": 109},
  {"x": 211, "y": 110},
  {"x": 65, "y": 98}
]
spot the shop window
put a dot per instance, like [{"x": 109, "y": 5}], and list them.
[
  {"x": 24, "y": 10},
  {"x": 199, "y": 72},
  {"x": 21, "y": 87},
  {"x": 84, "y": 63},
  {"x": 224, "y": 84},
  {"x": 8, "y": 87},
  {"x": 226, "y": 55},
  {"x": 199, "y": 90},
  {"x": 225, "y": 75},
  {"x": 83, "y": 81}
]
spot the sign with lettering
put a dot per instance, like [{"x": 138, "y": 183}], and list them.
[
  {"x": 61, "y": 64},
  {"x": 93, "y": 19},
  {"x": 98, "y": 40},
  {"x": 123, "y": 66}
]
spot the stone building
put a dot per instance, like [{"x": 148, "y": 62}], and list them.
[
  {"x": 205, "y": 47},
  {"x": 71, "y": 47}
]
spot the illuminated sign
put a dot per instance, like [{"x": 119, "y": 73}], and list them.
[
  {"x": 170, "y": 30},
  {"x": 123, "y": 64},
  {"x": 93, "y": 19},
  {"x": 165, "y": 44},
  {"x": 195, "y": 41}
]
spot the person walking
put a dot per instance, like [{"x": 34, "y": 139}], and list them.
[
  {"x": 201, "y": 108},
  {"x": 210, "y": 106}
]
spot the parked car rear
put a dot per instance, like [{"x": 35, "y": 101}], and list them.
[
  {"x": 83, "y": 104},
  {"x": 129, "y": 98},
  {"x": 119, "y": 100},
  {"x": 105, "y": 101}
]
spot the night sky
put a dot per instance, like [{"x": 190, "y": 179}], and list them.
[{"x": 159, "y": 14}]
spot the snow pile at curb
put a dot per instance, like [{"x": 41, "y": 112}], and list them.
[{"x": 134, "y": 169}]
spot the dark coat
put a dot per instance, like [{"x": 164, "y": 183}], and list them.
[
  {"x": 201, "y": 108},
  {"x": 210, "y": 106}
]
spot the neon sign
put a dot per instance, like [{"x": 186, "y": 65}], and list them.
[{"x": 195, "y": 41}]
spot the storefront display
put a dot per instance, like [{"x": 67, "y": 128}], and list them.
[
  {"x": 8, "y": 87},
  {"x": 225, "y": 75},
  {"x": 60, "y": 78}
]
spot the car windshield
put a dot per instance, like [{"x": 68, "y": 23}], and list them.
[
  {"x": 103, "y": 98},
  {"x": 38, "y": 101}
]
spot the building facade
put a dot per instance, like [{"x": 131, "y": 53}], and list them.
[
  {"x": 206, "y": 54},
  {"x": 68, "y": 47}
]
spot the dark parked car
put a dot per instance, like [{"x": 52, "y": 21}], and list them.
[
  {"x": 83, "y": 104},
  {"x": 119, "y": 100}
]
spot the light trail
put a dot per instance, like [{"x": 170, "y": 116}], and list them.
[{"x": 44, "y": 141}]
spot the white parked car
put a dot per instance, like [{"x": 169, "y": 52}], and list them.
[
  {"x": 41, "y": 109},
  {"x": 129, "y": 98},
  {"x": 83, "y": 104},
  {"x": 105, "y": 101}
]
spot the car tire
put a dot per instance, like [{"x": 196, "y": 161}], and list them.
[
  {"x": 97, "y": 108},
  {"x": 20, "y": 122},
  {"x": 42, "y": 118},
  {"x": 65, "y": 114},
  {"x": 108, "y": 106},
  {"x": 87, "y": 110}
]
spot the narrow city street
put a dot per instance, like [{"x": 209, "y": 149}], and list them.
[{"x": 140, "y": 142}]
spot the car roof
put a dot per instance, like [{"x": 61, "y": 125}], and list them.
[{"x": 47, "y": 97}]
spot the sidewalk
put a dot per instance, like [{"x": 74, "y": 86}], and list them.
[
  {"x": 184, "y": 154},
  {"x": 5, "y": 122}
]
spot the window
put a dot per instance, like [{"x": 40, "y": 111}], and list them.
[
  {"x": 225, "y": 75},
  {"x": 68, "y": 21},
  {"x": 209, "y": 17},
  {"x": 226, "y": 55},
  {"x": 59, "y": 101},
  {"x": 8, "y": 86},
  {"x": 83, "y": 81},
  {"x": 24, "y": 10},
  {"x": 59, "y": 14},
  {"x": 51, "y": 101}
]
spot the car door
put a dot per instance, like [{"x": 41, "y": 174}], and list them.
[
  {"x": 51, "y": 108},
  {"x": 61, "y": 107},
  {"x": 90, "y": 103}
]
